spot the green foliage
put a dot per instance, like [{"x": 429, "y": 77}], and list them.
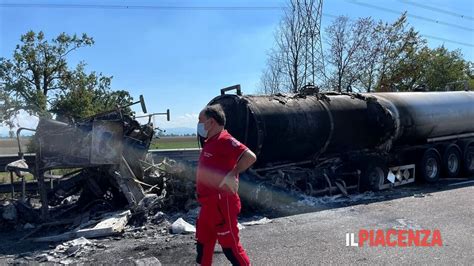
[
  {"x": 178, "y": 142},
  {"x": 364, "y": 55},
  {"x": 391, "y": 45},
  {"x": 38, "y": 80},
  {"x": 87, "y": 94},
  {"x": 444, "y": 67},
  {"x": 397, "y": 59},
  {"x": 470, "y": 74},
  {"x": 31, "y": 146},
  {"x": 38, "y": 68},
  {"x": 8, "y": 105},
  {"x": 432, "y": 69},
  {"x": 5, "y": 178}
]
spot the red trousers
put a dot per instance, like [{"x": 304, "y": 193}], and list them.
[{"x": 217, "y": 221}]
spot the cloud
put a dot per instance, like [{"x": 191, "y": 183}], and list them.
[{"x": 22, "y": 119}]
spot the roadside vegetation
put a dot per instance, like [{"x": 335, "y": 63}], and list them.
[
  {"x": 358, "y": 55},
  {"x": 174, "y": 143}
]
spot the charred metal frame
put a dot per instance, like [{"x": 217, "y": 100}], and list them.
[{"x": 128, "y": 142}]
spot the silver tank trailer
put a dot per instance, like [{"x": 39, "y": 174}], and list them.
[{"x": 425, "y": 116}]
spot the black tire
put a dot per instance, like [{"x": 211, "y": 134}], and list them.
[
  {"x": 429, "y": 167},
  {"x": 373, "y": 174},
  {"x": 452, "y": 161},
  {"x": 468, "y": 160}
]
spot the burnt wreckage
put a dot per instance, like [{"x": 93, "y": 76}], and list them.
[
  {"x": 319, "y": 143},
  {"x": 107, "y": 147},
  {"x": 104, "y": 157}
]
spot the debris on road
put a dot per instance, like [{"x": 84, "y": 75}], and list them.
[
  {"x": 159, "y": 217},
  {"x": 66, "y": 252},
  {"x": 421, "y": 195},
  {"x": 261, "y": 221},
  {"x": 147, "y": 262},
  {"x": 111, "y": 224},
  {"x": 94, "y": 178},
  {"x": 180, "y": 226}
]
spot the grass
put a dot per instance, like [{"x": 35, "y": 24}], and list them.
[
  {"x": 10, "y": 146},
  {"x": 174, "y": 143},
  {"x": 5, "y": 177}
]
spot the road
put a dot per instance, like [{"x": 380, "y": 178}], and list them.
[
  {"x": 320, "y": 237},
  {"x": 316, "y": 237}
]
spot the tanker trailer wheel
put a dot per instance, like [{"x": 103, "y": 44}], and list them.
[
  {"x": 430, "y": 166},
  {"x": 373, "y": 174},
  {"x": 468, "y": 160},
  {"x": 452, "y": 161}
]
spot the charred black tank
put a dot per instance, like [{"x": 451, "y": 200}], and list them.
[{"x": 290, "y": 128}]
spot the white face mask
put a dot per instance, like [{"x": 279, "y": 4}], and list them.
[{"x": 201, "y": 130}]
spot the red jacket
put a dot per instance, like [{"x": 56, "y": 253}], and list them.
[{"x": 219, "y": 156}]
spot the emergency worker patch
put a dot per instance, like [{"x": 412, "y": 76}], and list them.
[{"x": 235, "y": 142}]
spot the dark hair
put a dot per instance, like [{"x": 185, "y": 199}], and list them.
[{"x": 215, "y": 111}]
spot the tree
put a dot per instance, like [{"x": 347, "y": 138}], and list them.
[
  {"x": 390, "y": 57},
  {"x": 433, "y": 69},
  {"x": 297, "y": 57},
  {"x": 348, "y": 42},
  {"x": 38, "y": 68},
  {"x": 470, "y": 74},
  {"x": 362, "y": 55},
  {"x": 444, "y": 67},
  {"x": 87, "y": 94},
  {"x": 290, "y": 45},
  {"x": 367, "y": 56},
  {"x": 38, "y": 80},
  {"x": 7, "y": 107},
  {"x": 392, "y": 45},
  {"x": 272, "y": 79}
]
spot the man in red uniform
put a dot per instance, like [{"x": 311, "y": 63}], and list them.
[{"x": 222, "y": 159}]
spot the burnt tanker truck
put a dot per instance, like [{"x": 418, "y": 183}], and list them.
[{"x": 321, "y": 143}]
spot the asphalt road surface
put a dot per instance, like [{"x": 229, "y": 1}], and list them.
[
  {"x": 316, "y": 237},
  {"x": 320, "y": 237}
]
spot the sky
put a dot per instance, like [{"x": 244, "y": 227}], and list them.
[{"x": 179, "y": 54}]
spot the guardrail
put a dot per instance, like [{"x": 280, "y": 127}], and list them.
[
  {"x": 6, "y": 159},
  {"x": 189, "y": 155}
]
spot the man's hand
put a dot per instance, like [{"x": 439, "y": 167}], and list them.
[
  {"x": 231, "y": 181},
  {"x": 245, "y": 161}
]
